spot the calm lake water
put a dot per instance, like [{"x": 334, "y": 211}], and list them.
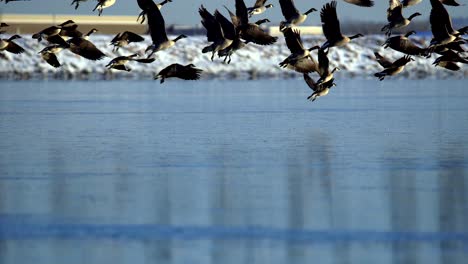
[{"x": 233, "y": 172}]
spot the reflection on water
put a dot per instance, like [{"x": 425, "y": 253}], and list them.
[{"x": 233, "y": 172}]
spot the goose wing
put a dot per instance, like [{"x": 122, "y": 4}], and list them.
[
  {"x": 293, "y": 40},
  {"x": 189, "y": 72},
  {"x": 85, "y": 49},
  {"x": 259, "y": 3},
  {"x": 310, "y": 82},
  {"x": 234, "y": 19},
  {"x": 228, "y": 28},
  {"x": 288, "y": 9},
  {"x": 305, "y": 65},
  {"x": 14, "y": 48},
  {"x": 394, "y": 11},
  {"x": 324, "y": 63},
  {"x": 132, "y": 37},
  {"x": 214, "y": 32},
  {"x": 51, "y": 59},
  {"x": 156, "y": 24},
  {"x": 330, "y": 23},
  {"x": 365, "y": 3},
  {"x": 440, "y": 18},
  {"x": 408, "y": 47},
  {"x": 255, "y": 34},
  {"x": 401, "y": 61},
  {"x": 241, "y": 12},
  {"x": 384, "y": 62},
  {"x": 146, "y": 4}
]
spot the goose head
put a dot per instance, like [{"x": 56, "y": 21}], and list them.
[
  {"x": 414, "y": 15},
  {"x": 357, "y": 36},
  {"x": 269, "y": 6},
  {"x": 14, "y": 37}
]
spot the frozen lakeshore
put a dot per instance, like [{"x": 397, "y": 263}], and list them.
[{"x": 355, "y": 60}]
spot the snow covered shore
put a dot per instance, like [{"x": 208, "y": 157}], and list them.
[{"x": 355, "y": 60}]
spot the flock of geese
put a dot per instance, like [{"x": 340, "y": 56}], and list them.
[{"x": 226, "y": 36}]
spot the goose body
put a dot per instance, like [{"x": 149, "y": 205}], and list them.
[
  {"x": 10, "y": 46},
  {"x": 331, "y": 27},
  {"x": 300, "y": 59},
  {"x": 185, "y": 72},
  {"x": 318, "y": 89},
  {"x": 404, "y": 45},
  {"x": 395, "y": 17},
  {"x": 85, "y": 48},
  {"x": 118, "y": 63},
  {"x": 53, "y": 30},
  {"x": 102, "y": 4},
  {"x": 441, "y": 25},
  {"x": 49, "y": 54},
  {"x": 292, "y": 15},
  {"x": 391, "y": 69}
]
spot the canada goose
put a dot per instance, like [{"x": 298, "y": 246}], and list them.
[
  {"x": 319, "y": 89},
  {"x": 364, "y": 3},
  {"x": 237, "y": 43},
  {"x": 258, "y": 8},
  {"x": 124, "y": 38},
  {"x": 451, "y": 56},
  {"x": 300, "y": 59},
  {"x": 395, "y": 17},
  {"x": 407, "y": 3},
  {"x": 49, "y": 54},
  {"x": 404, "y": 45},
  {"x": 324, "y": 68},
  {"x": 77, "y": 3},
  {"x": 187, "y": 72},
  {"x": 449, "y": 65},
  {"x": 119, "y": 62},
  {"x": 157, "y": 30},
  {"x": 53, "y": 30},
  {"x": 292, "y": 15},
  {"x": 10, "y": 46},
  {"x": 83, "y": 47},
  {"x": 251, "y": 32},
  {"x": 391, "y": 68},
  {"x": 441, "y": 25},
  {"x": 103, "y": 4},
  {"x": 331, "y": 27},
  {"x": 221, "y": 37}
]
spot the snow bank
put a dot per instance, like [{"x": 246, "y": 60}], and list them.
[{"x": 355, "y": 60}]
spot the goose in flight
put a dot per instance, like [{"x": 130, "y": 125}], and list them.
[
  {"x": 55, "y": 31},
  {"x": 395, "y": 17},
  {"x": 331, "y": 27},
  {"x": 324, "y": 68},
  {"x": 10, "y": 46},
  {"x": 221, "y": 36},
  {"x": 237, "y": 43},
  {"x": 85, "y": 48},
  {"x": 118, "y": 63},
  {"x": 405, "y": 45},
  {"x": 49, "y": 54},
  {"x": 318, "y": 89},
  {"x": 258, "y": 8},
  {"x": 292, "y": 15},
  {"x": 251, "y": 32},
  {"x": 146, "y": 5},
  {"x": 391, "y": 68},
  {"x": 157, "y": 30},
  {"x": 122, "y": 39},
  {"x": 300, "y": 59},
  {"x": 187, "y": 72},
  {"x": 441, "y": 26}
]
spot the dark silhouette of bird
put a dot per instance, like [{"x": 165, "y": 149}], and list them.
[
  {"x": 258, "y": 8},
  {"x": 10, "y": 46},
  {"x": 118, "y": 63},
  {"x": 403, "y": 44},
  {"x": 292, "y": 15},
  {"x": 300, "y": 59},
  {"x": 77, "y": 3},
  {"x": 218, "y": 30},
  {"x": 103, "y": 4},
  {"x": 187, "y": 72},
  {"x": 85, "y": 48},
  {"x": 318, "y": 89},
  {"x": 324, "y": 68},
  {"x": 251, "y": 32},
  {"x": 391, "y": 68},
  {"x": 122, "y": 39},
  {"x": 363, "y": 3},
  {"x": 395, "y": 17}
]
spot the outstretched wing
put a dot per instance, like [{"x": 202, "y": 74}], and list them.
[
  {"x": 293, "y": 40},
  {"x": 330, "y": 23}
]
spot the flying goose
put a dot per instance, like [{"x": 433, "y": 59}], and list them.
[
  {"x": 331, "y": 27},
  {"x": 187, "y": 72},
  {"x": 85, "y": 48},
  {"x": 391, "y": 68},
  {"x": 221, "y": 37},
  {"x": 157, "y": 30},
  {"x": 122, "y": 39},
  {"x": 237, "y": 43},
  {"x": 118, "y": 63},
  {"x": 49, "y": 54},
  {"x": 364, "y": 3},
  {"x": 324, "y": 68},
  {"x": 292, "y": 15},
  {"x": 258, "y": 8},
  {"x": 54, "y": 30},
  {"x": 406, "y": 46},
  {"x": 441, "y": 25},
  {"x": 300, "y": 59},
  {"x": 103, "y": 4},
  {"x": 395, "y": 17},
  {"x": 10, "y": 46},
  {"x": 251, "y": 32},
  {"x": 77, "y": 3},
  {"x": 319, "y": 89}
]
